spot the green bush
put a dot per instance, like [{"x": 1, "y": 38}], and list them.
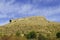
[
  {"x": 31, "y": 35},
  {"x": 17, "y": 33},
  {"x": 58, "y": 35},
  {"x": 41, "y": 37}
]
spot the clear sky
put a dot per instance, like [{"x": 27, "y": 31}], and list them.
[{"x": 11, "y": 9}]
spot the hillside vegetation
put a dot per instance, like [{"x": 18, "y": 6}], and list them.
[{"x": 25, "y": 25}]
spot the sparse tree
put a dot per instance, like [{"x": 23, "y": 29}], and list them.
[{"x": 10, "y": 20}]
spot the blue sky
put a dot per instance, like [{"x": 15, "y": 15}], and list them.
[{"x": 11, "y": 9}]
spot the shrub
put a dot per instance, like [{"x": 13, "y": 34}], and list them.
[
  {"x": 41, "y": 37},
  {"x": 31, "y": 35},
  {"x": 5, "y": 37},
  {"x": 17, "y": 33},
  {"x": 58, "y": 35}
]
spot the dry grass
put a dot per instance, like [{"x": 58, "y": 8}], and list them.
[{"x": 37, "y": 24}]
